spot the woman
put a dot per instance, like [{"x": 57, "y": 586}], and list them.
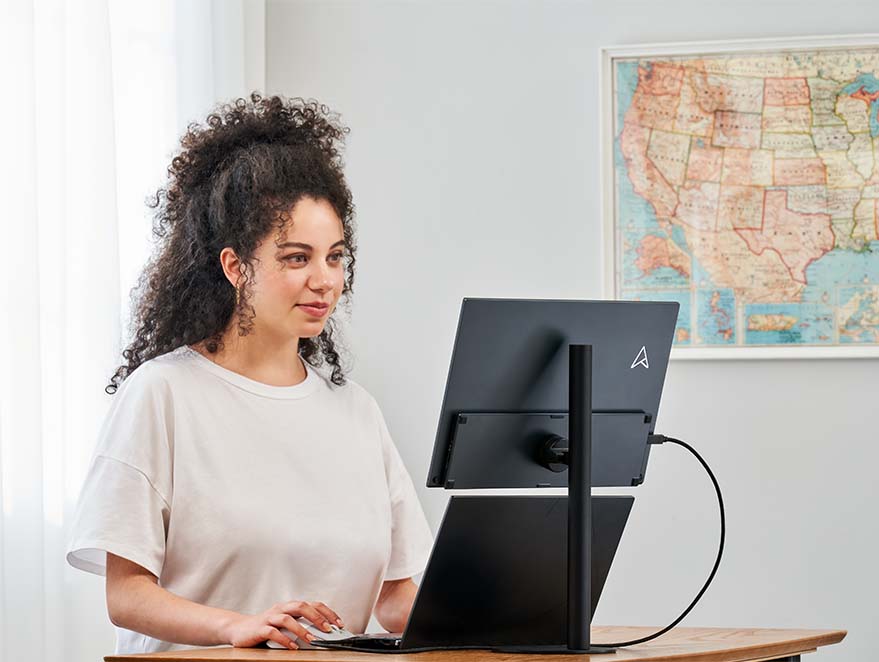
[{"x": 234, "y": 488}]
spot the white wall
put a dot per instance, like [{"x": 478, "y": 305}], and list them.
[{"x": 473, "y": 159}]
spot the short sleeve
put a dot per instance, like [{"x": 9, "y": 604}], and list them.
[
  {"x": 124, "y": 504},
  {"x": 411, "y": 538},
  {"x": 119, "y": 511}
]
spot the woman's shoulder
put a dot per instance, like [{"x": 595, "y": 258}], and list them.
[{"x": 156, "y": 374}]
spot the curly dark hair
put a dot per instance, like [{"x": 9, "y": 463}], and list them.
[{"x": 235, "y": 178}]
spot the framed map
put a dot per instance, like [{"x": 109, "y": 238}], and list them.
[{"x": 741, "y": 179}]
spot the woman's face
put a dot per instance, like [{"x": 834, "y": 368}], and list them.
[{"x": 298, "y": 276}]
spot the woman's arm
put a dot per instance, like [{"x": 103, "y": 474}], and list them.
[
  {"x": 135, "y": 601},
  {"x": 395, "y": 603}
]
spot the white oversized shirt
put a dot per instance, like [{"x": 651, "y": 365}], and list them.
[{"x": 237, "y": 494}]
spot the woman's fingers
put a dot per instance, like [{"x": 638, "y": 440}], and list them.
[
  {"x": 331, "y": 616},
  {"x": 309, "y": 612},
  {"x": 275, "y": 635},
  {"x": 289, "y": 623}
]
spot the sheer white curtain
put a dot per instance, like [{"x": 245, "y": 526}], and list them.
[{"x": 95, "y": 96}]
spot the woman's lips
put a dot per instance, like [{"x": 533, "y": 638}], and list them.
[{"x": 314, "y": 311}]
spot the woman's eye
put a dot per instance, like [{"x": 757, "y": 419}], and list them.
[{"x": 302, "y": 258}]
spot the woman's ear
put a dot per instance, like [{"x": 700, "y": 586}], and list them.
[{"x": 231, "y": 265}]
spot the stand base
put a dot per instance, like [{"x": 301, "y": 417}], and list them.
[{"x": 554, "y": 649}]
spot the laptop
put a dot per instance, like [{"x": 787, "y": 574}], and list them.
[{"x": 497, "y": 575}]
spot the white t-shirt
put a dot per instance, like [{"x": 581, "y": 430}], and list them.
[{"x": 239, "y": 495}]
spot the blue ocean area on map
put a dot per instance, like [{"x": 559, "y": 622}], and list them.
[
  {"x": 871, "y": 86},
  {"x": 627, "y": 83}
]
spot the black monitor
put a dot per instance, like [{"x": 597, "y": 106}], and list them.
[{"x": 507, "y": 390}]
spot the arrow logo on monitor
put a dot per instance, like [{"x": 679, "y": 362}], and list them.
[{"x": 641, "y": 359}]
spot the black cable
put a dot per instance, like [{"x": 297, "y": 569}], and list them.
[{"x": 660, "y": 439}]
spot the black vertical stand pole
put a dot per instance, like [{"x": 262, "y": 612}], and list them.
[
  {"x": 579, "y": 512},
  {"x": 579, "y": 496}
]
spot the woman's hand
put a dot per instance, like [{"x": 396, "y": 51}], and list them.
[{"x": 249, "y": 630}]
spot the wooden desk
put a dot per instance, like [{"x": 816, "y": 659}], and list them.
[{"x": 681, "y": 644}]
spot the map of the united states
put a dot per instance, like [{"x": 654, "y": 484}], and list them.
[{"x": 747, "y": 189}]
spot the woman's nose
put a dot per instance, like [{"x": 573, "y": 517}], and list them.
[{"x": 321, "y": 280}]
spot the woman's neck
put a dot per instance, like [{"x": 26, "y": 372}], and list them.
[{"x": 275, "y": 364}]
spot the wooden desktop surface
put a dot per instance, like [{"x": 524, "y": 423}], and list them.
[{"x": 685, "y": 644}]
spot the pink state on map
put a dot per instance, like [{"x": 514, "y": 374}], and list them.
[
  {"x": 660, "y": 78},
  {"x": 704, "y": 163}
]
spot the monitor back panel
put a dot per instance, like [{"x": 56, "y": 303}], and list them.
[{"x": 511, "y": 355}]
